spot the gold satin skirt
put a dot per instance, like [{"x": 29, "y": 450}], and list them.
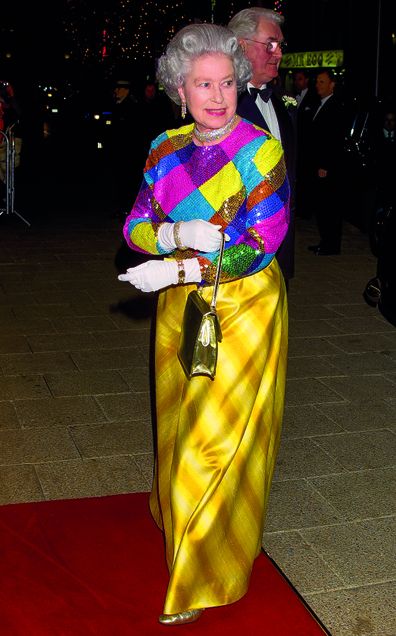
[{"x": 217, "y": 440}]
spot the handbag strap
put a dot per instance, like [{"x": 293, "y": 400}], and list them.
[{"x": 218, "y": 273}]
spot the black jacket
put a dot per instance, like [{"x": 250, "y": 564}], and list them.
[
  {"x": 287, "y": 119},
  {"x": 326, "y": 138}
]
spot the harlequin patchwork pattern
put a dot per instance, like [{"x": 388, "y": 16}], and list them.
[{"x": 239, "y": 183}]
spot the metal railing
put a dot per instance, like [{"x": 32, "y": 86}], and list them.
[{"x": 8, "y": 139}]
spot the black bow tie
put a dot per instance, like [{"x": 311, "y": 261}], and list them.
[{"x": 265, "y": 93}]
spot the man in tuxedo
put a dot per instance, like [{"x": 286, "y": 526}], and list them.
[
  {"x": 305, "y": 94},
  {"x": 326, "y": 142},
  {"x": 259, "y": 32}
]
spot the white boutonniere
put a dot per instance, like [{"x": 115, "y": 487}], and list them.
[{"x": 289, "y": 101}]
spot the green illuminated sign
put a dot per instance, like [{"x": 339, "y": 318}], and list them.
[{"x": 313, "y": 59}]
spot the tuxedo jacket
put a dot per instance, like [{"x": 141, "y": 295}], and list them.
[
  {"x": 287, "y": 121},
  {"x": 305, "y": 112},
  {"x": 326, "y": 137},
  {"x": 310, "y": 102}
]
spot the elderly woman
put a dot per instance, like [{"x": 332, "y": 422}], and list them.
[{"x": 217, "y": 440}]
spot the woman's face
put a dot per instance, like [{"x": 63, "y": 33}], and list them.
[{"x": 210, "y": 91}]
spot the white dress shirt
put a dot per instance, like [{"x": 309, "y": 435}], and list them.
[
  {"x": 389, "y": 134},
  {"x": 268, "y": 112},
  {"x": 301, "y": 96}
]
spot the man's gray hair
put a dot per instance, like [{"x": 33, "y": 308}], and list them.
[
  {"x": 190, "y": 43},
  {"x": 245, "y": 23}
]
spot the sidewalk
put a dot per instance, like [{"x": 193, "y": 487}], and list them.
[{"x": 75, "y": 404}]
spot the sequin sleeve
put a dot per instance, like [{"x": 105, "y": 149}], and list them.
[{"x": 141, "y": 226}]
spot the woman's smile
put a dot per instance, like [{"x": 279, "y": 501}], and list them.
[{"x": 216, "y": 112}]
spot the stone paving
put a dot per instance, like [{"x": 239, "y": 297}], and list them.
[{"x": 75, "y": 404}]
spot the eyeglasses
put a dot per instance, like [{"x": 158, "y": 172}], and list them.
[{"x": 270, "y": 46}]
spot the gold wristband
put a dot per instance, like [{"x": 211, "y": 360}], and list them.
[
  {"x": 181, "y": 274},
  {"x": 176, "y": 236}
]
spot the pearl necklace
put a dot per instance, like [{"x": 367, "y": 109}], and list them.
[{"x": 215, "y": 134}]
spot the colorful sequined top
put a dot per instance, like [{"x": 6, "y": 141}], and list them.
[{"x": 239, "y": 183}]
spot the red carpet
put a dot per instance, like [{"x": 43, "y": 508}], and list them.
[{"x": 96, "y": 567}]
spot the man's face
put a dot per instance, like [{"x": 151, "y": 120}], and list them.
[
  {"x": 120, "y": 92},
  {"x": 390, "y": 121},
  {"x": 324, "y": 85},
  {"x": 265, "y": 63},
  {"x": 300, "y": 82}
]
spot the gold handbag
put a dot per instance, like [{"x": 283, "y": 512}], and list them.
[{"x": 201, "y": 331}]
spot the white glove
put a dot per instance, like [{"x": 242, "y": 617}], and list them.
[
  {"x": 154, "y": 275},
  {"x": 197, "y": 234}
]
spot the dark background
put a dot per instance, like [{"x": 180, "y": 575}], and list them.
[
  {"x": 60, "y": 45},
  {"x": 39, "y": 34}
]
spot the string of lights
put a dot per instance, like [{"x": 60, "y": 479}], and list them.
[
  {"x": 278, "y": 6},
  {"x": 135, "y": 30},
  {"x": 123, "y": 30}
]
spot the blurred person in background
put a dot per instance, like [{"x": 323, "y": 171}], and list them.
[
  {"x": 325, "y": 141},
  {"x": 125, "y": 161},
  {"x": 306, "y": 96},
  {"x": 157, "y": 114},
  {"x": 383, "y": 156}
]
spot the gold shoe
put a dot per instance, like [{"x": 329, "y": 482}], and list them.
[{"x": 189, "y": 616}]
